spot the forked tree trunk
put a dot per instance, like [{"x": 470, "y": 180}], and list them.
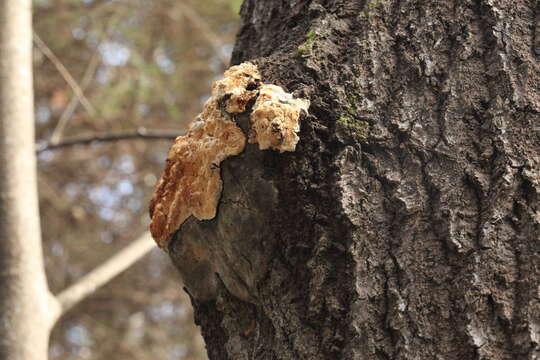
[
  {"x": 406, "y": 224},
  {"x": 26, "y": 307}
]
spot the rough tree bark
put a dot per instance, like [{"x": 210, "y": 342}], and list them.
[{"x": 406, "y": 224}]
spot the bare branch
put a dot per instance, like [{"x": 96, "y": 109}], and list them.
[
  {"x": 140, "y": 133},
  {"x": 100, "y": 276},
  {"x": 205, "y": 30},
  {"x": 65, "y": 73},
  {"x": 85, "y": 82},
  {"x": 74, "y": 102}
]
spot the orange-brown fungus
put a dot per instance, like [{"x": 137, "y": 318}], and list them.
[
  {"x": 237, "y": 84},
  {"x": 191, "y": 183},
  {"x": 275, "y": 119}
]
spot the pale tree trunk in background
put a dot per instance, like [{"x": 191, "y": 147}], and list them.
[
  {"x": 406, "y": 223},
  {"x": 26, "y": 307},
  {"x": 28, "y": 310}
]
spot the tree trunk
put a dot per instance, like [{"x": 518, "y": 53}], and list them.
[
  {"x": 26, "y": 308},
  {"x": 406, "y": 224}
]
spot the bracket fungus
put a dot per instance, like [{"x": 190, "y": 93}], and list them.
[
  {"x": 191, "y": 182},
  {"x": 275, "y": 119}
]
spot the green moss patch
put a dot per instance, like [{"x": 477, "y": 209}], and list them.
[
  {"x": 358, "y": 126},
  {"x": 370, "y": 6},
  {"x": 307, "y": 46}
]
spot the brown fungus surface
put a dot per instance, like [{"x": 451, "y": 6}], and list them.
[
  {"x": 191, "y": 183},
  {"x": 239, "y": 86},
  {"x": 275, "y": 119}
]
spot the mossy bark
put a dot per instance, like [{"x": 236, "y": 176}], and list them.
[{"x": 417, "y": 238}]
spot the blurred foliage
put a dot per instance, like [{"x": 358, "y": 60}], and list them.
[{"x": 150, "y": 64}]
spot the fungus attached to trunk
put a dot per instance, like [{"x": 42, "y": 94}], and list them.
[
  {"x": 275, "y": 119},
  {"x": 191, "y": 183}
]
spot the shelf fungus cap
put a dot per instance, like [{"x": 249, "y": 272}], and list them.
[
  {"x": 191, "y": 183},
  {"x": 238, "y": 87},
  {"x": 275, "y": 119}
]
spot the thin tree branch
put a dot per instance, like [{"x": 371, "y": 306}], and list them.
[
  {"x": 140, "y": 133},
  {"x": 74, "y": 102},
  {"x": 65, "y": 73},
  {"x": 86, "y": 80},
  {"x": 201, "y": 25},
  {"x": 100, "y": 276}
]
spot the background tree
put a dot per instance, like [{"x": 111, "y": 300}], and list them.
[
  {"x": 22, "y": 273},
  {"x": 405, "y": 225},
  {"x": 116, "y": 69},
  {"x": 140, "y": 64}
]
